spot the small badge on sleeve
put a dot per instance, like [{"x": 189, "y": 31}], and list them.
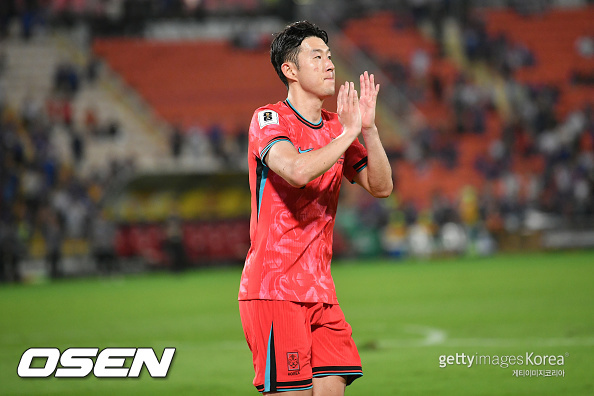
[{"x": 267, "y": 117}]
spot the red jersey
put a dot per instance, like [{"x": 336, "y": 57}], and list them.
[{"x": 291, "y": 228}]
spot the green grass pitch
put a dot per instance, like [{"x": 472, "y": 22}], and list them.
[{"x": 404, "y": 314}]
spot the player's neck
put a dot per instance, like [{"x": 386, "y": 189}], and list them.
[{"x": 309, "y": 107}]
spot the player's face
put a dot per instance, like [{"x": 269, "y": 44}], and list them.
[{"x": 316, "y": 70}]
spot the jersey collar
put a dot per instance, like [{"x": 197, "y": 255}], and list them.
[{"x": 317, "y": 125}]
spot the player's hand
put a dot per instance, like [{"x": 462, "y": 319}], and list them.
[
  {"x": 368, "y": 101},
  {"x": 348, "y": 108}
]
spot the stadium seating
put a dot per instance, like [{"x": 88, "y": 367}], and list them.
[
  {"x": 207, "y": 83},
  {"x": 552, "y": 37},
  {"x": 386, "y": 40},
  {"x": 195, "y": 82}
]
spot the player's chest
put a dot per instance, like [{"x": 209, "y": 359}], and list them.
[{"x": 307, "y": 139}]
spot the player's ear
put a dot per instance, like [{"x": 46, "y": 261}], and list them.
[{"x": 289, "y": 69}]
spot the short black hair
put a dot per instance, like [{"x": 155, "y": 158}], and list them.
[{"x": 286, "y": 43}]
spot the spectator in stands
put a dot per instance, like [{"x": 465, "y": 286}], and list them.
[
  {"x": 17, "y": 231},
  {"x": 437, "y": 87},
  {"x": 197, "y": 140},
  {"x": 7, "y": 13},
  {"x": 442, "y": 210},
  {"x": 53, "y": 234},
  {"x": 92, "y": 68},
  {"x": 77, "y": 146},
  {"x": 176, "y": 141},
  {"x": 3, "y": 59},
  {"x": 113, "y": 128},
  {"x": 470, "y": 105},
  {"x": 475, "y": 40},
  {"x": 10, "y": 249},
  {"x": 102, "y": 241},
  {"x": 174, "y": 242},
  {"x": 249, "y": 39},
  {"x": 530, "y": 7},
  {"x": 241, "y": 135},
  {"x": 66, "y": 79},
  {"x": 31, "y": 110},
  {"x": 91, "y": 121},
  {"x": 585, "y": 46},
  {"x": 420, "y": 63},
  {"x": 29, "y": 11},
  {"x": 216, "y": 137},
  {"x": 421, "y": 10}
]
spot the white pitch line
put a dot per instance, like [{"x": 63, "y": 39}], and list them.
[
  {"x": 522, "y": 342},
  {"x": 432, "y": 336}
]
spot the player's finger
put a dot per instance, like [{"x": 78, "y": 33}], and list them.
[
  {"x": 347, "y": 93},
  {"x": 363, "y": 85},
  {"x": 372, "y": 84},
  {"x": 346, "y": 96},
  {"x": 340, "y": 99}
]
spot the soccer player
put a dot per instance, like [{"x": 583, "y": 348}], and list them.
[{"x": 298, "y": 153}]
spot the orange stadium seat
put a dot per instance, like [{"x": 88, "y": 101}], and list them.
[
  {"x": 552, "y": 37},
  {"x": 195, "y": 82},
  {"x": 205, "y": 83},
  {"x": 380, "y": 36}
]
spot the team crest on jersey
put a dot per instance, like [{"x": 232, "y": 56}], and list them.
[
  {"x": 267, "y": 117},
  {"x": 293, "y": 361}
]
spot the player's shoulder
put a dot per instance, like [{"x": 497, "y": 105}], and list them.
[{"x": 270, "y": 114}]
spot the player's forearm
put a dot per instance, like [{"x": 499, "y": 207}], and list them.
[
  {"x": 312, "y": 164},
  {"x": 379, "y": 171}
]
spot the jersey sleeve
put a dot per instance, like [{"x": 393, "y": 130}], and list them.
[
  {"x": 267, "y": 128},
  {"x": 355, "y": 160}
]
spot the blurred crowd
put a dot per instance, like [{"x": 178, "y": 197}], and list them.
[
  {"x": 556, "y": 189},
  {"x": 533, "y": 128},
  {"x": 44, "y": 195},
  {"x": 228, "y": 148},
  {"x": 127, "y": 17}
]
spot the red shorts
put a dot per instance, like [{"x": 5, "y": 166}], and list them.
[{"x": 293, "y": 342}]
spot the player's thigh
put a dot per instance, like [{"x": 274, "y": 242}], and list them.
[
  {"x": 334, "y": 352},
  {"x": 333, "y": 385},
  {"x": 279, "y": 337}
]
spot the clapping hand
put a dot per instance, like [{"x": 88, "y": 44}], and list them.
[{"x": 368, "y": 100}]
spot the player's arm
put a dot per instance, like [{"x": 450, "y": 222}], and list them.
[
  {"x": 298, "y": 169},
  {"x": 376, "y": 178}
]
